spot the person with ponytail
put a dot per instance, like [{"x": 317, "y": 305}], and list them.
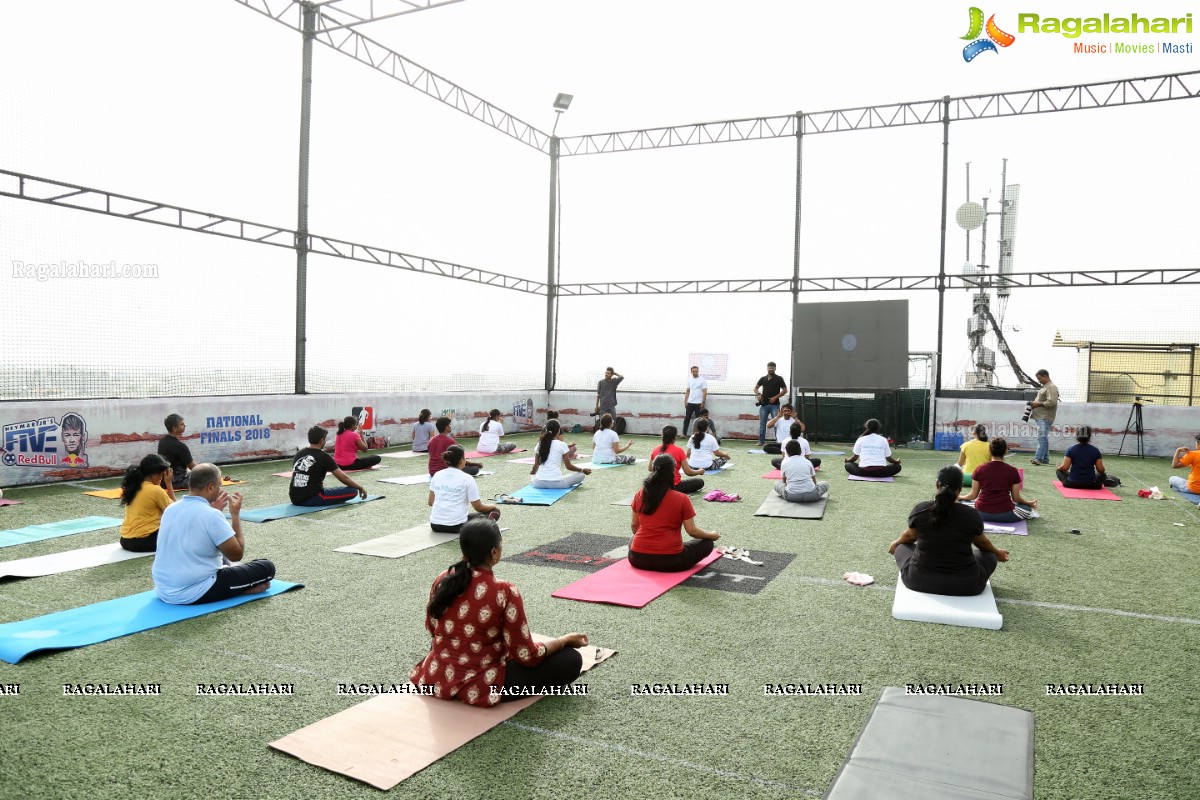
[
  {"x": 689, "y": 485},
  {"x": 440, "y": 444},
  {"x": 422, "y": 431},
  {"x": 489, "y": 435},
  {"x": 996, "y": 489},
  {"x": 872, "y": 455},
  {"x": 974, "y": 453},
  {"x": 1082, "y": 466},
  {"x": 704, "y": 451},
  {"x": 483, "y": 652},
  {"x": 944, "y": 549},
  {"x": 799, "y": 484},
  {"x": 145, "y": 492},
  {"x": 347, "y": 444},
  {"x": 552, "y": 460},
  {"x": 797, "y": 435},
  {"x": 658, "y": 515},
  {"x": 451, "y": 492},
  {"x": 607, "y": 445}
]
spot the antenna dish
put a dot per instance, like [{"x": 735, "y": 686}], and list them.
[{"x": 970, "y": 215}]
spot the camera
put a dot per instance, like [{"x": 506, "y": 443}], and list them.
[
  {"x": 1028, "y": 411},
  {"x": 759, "y": 403}
]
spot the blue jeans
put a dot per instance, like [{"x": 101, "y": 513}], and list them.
[
  {"x": 1043, "y": 448},
  {"x": 765, "y": 412}
]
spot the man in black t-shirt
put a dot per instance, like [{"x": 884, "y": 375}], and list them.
[
  {"x": 767, "y": 391},
  {"x": 177, "y": 454},
  {"x": 311, "y": 466}
]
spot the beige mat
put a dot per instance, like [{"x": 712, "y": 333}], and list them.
[
  {"x": 391, "y": 737},
  {"x": 403, "y": 543}
]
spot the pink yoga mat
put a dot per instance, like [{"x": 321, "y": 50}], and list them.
[
  {"x": 621, "y": 584},
  {"x": 888, "y": 479},
  {"x": 477, "y": 454},
  {"x": 774, "y": 475},
  {"x": 1085, "y": 494},
  {"x": 7, "y": 502},
  {"x": 289, "y": 474}
]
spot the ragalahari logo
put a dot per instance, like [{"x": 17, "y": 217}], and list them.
[{"x": 995, "y": 36}]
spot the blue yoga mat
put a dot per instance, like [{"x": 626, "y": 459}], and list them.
[
  {"x": 288, "y": 510},
  {"x": 52, "y": 530},
  {"x": 99, "y": 622},
  {"x": 542, "y": 497},
  {"x": 1189, "y": 496}
]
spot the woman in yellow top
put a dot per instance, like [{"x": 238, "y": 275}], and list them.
[
  {"x": 145, "y": 492},
  {"x": 974, "y": 453}
]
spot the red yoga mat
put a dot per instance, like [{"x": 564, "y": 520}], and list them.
[
  {"x": 1085, "y": 494},
  {"x": 774, "y": 475},
  {"x": 622, "y": 584}
]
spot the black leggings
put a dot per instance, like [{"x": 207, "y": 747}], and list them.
[
  {"x": 958, "y": 584},
  {"x": 365, "y": 462},
  {"x": 777, "y": 463},
  {"x": 689, "y": 485},
  {"x": 457, "y": 528},
  {"x": 772, "y": 447},
  {"x": 694, "y": 550},
  {"x": 236, "y": 579},
  {"x": 144, "y": 544},
  {"x": 886, "y": 471},
  {"x": 1096, "y": 484},
  {"x": 559, "y": 669}
]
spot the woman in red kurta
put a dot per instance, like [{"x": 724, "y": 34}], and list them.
[
  {"x": 658, "y": 515},
  {"x": 483, "y": 652}
]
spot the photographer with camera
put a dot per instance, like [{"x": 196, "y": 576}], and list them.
[
  {"x": 767, "y": 391},
  {"x": 1044, "y": 406}
]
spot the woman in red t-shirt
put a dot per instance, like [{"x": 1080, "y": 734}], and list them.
[
  {"x": 687, "y": 486},
  {"x": 996, "y": 489},
  {"x": 483, "y": 652},
  {"x": 658, "y": 514}
]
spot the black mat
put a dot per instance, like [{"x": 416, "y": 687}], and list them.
[{"x": 589, "y": 552}]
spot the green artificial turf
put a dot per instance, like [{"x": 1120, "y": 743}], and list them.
[{"x": 1129, "y": 613}]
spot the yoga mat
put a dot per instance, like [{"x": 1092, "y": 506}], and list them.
[
  {"x": 115, "y": 494},
  {"x": 1018, "y": 528},
  {"x": 1084, "y": 494},
  {"x": 1191, "y": 497},
  {"x": 99, "y": 622},
  {"x": 977, "y": 611},
  {"x": 776, "y": 506},
  {"x": 288, "y": 510},
  {"x": 888, "y": 479},
  {"x": 774, "y": 475},
  {"x": 414, "y": 480},
  {"x": 728, "y": 465},
  {"x": 927, "y": 747},
  {"x": 541, "y": 497},
  {"x": 530, "y": 459},
  {"x": 594, "y": 465},
  {"x": 405, "y": 454},
  {"x": 6, "y": 502},
  {"x": 288, "y": 474},
  {"x": 395, "y": 545},
  {"x": 828, "y": 453},
  {"x": 628, "y": 501},
  {"x": 53, "y": 530},
  {"x": 623, "y": 585},
  {"x": 477, "y": 454},
  {"x": 392, "y": 737},
  {"x": 69, "y": 561},
  {"x": 757, "y": 452}
]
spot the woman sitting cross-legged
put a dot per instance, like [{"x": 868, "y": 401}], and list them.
[
  {"x": 1082, "y": 466},
  {"x": 799, "y": 484},
  {"x": 872, "y": 455},
  {"x": 658, "y": 514},
  {"x": 703, "y": 452},
  {"x": 973, "y": 453},
  {"x": 996, "y": 489},
  {"x": 346, "y": 447},
  {"x": 145, "y": 492},
  {"x": 607, "y": 445},
  {"x": 483, "y": 652},
  {"x": 552, "y": 459},
  {"x": 689, "y": 485},
  {"x": 935, "y": 552},
  {"x": 452, "y": 492},
  {"x": 490, "y": 432}
]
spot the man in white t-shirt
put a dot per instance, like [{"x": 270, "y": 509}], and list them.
[{"x": 694, "y": 397}]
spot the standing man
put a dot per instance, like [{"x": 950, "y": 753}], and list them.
[
  {"x": 767, "y": 391},
  {"x": 1045, "y": 406},
  {"x": 694, "y": 397},
  {"x": 606, "y": 393}
]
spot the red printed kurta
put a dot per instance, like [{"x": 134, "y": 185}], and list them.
[{"x": 480, "y": 631}]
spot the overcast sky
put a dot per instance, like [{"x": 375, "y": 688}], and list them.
[{"x": 198, "y": 105}]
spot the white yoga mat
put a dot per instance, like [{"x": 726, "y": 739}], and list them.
[{"x": 68, "y": 561}]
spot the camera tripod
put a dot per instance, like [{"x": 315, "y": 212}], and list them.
[{"x": 1135, "y": 419}]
